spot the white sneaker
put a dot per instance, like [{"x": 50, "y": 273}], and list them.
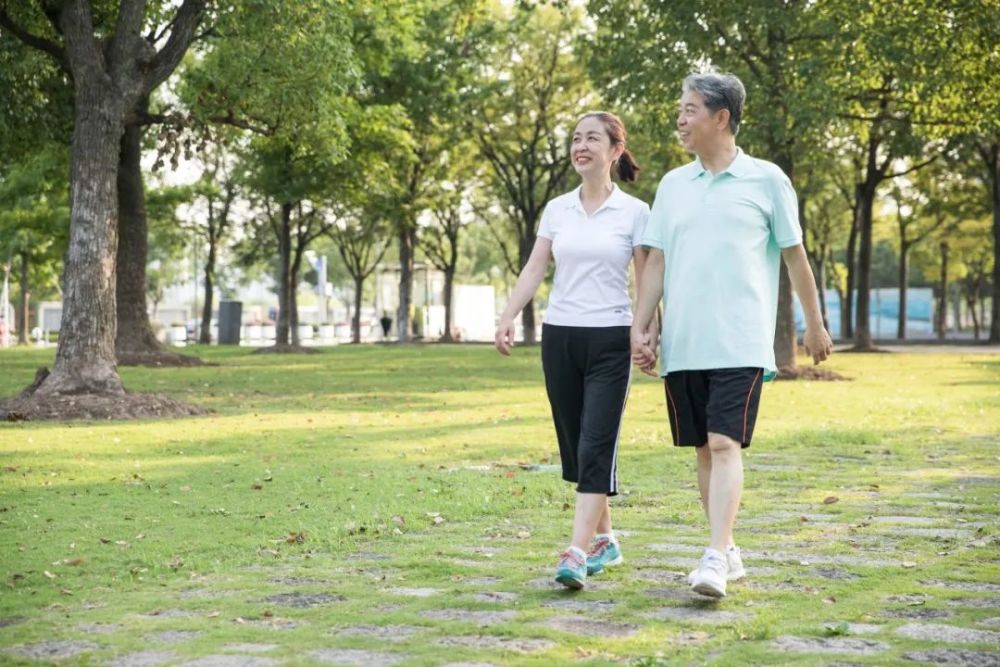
[
  {"x": 710, "y": 577},
  {"x": 734, "y": 562}
]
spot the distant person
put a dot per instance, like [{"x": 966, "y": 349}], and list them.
[
  {"x": 593, "y": 233},
  {"x": 386, "y": 323},
  {"x": 718, "y": 231}
]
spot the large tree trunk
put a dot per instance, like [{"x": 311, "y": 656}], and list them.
[
  {"x": 23, "y": 305},
  {"x": 862, "y": 329},
  {"x": 784, "y": 330},
  {"x": 293, "y": 296},
  {"x": 359, "y": 284},
  {"x": 407, "y": 248},
  {"x": 904, "y": 278},
  {"x": 942, "y": 306},
  {"x": 284, "y": 276},
  {"x": 85, "y": 359},
  {"x": 449, "y": 286},
  {"x": 135, "y": 334},
  {"x": 847, "y": 306},
  {"x": 995, "y": 308}
]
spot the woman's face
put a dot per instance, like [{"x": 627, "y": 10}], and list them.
[{"x": 592, "y": 151}]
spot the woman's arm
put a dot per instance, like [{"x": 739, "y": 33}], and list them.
[{"x": 527, "y": 284}]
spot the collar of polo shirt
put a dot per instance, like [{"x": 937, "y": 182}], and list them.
[
  {"x": 740, "y": 166},
  {"x": 617, "y": 199}
]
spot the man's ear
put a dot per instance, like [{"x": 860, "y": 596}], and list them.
[{"x": 722, "y": 119}]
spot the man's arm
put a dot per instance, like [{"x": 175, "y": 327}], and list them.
[
  {"x": 650, "y": 290},
  {"x": 817, "y": 340}
]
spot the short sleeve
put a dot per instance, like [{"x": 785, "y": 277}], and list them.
[
  {"x": 639, "y": 224},
  {"x": 545, "y": 226},
  {"x": 653, "y": 234},
  {"x": 785, "y": 227}
]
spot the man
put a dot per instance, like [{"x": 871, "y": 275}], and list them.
[{"x": 717, "y": 231}]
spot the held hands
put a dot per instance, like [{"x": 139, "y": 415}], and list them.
[
  {"x": 504, "y": 337},
  {"x": 818, "y": 343},
  {"x": 643, "y": 345}
]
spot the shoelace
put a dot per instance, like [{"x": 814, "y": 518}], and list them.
[
  {"x": 599, "y": 547},
  {"x": 713, "y": 562},
  {"x": 572, "y": 558}
]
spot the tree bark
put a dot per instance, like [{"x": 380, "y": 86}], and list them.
[
  {"x": 942, "y": 309},
  {"x": 135, "y": 333},
  {"x": 293, "y": 295},
  {"x": 847, "y": 306},
  {"x": 85, "y": 358},
  {"x": 23, "y": 307},
  {"x": 449, "y": 285},
  {"x": 821, "y": 285},
  {"x": 862, "y": 331},
  {"x": 995, "y": 307},
  {"x": 904, "y": 278},
  {"x": 284, "y": 276},
  {"x": 206, "y": 312},
  {"x": 528, "y": 314},
  {"x": 359, "y": 284},
  {"x": 407, "y": 249}
]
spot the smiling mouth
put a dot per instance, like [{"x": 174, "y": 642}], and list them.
[{"x": 582, "y": 159}]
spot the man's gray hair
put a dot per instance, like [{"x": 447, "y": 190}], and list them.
[{"x": 720, "y": 91}]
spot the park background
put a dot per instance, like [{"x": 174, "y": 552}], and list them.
[{"x": 398, "y": 503}]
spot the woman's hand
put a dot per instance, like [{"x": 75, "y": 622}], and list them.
[{"x": 504, "y": 337}]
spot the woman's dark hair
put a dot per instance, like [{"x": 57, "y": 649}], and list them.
[{"x": 628, "y": 168}]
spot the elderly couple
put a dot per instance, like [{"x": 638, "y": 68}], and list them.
[{"x": 711, "y": 247}]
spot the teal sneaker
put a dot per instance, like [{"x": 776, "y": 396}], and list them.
[
  {"x": 571, "y": 571},
  {"x": 604, "y": 553}
]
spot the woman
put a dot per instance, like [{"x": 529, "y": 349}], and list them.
[{"x": 592, "y": 232}]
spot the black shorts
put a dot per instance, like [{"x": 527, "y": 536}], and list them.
[
  {"x": 587, "y": 374},
  {"x": 720, "y": 400}
]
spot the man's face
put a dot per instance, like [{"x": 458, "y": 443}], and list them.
[{"x": 697, "y": 127}]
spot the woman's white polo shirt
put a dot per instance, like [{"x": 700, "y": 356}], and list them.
[{"x": 592, "y": 254}]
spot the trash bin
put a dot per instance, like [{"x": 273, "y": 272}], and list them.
[{"x": 230, "y": 318}]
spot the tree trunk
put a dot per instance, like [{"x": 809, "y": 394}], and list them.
[
  {"x": 206, "y": 312},
  {"x": 293, "y": 296},
  {"x": 528, "y": 314},
  {"x": 23, "y": 306},
  {"x": 284, "y": 276},
  {"x": 942, "y": 309},
  {"x": 821, "y": 285},
  {"x": 995, "y": 308},
  {"x": 135, "y": 333},
  {"x": 862, "y": 330},
  {"x": 904, "y": 278},
  {"x": 359, "y": 284},
  {"x": 449, "y": 283},
  {"x": 407, "y": 249},
  {"x": 85, "y": 359},
  {"x": 847, "y": 307},
  {"x": 784, "y": 330},
  {"x": 970, "y": 300}
]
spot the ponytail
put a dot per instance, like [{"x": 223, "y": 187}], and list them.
[{"x": 628, "y": 168}]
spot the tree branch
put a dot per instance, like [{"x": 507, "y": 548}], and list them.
[
  {"x": 32, "y": 40},
  {"x": 181, "y": 36}
]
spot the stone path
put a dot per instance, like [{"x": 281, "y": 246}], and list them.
[{"x": 888, "y": 581}]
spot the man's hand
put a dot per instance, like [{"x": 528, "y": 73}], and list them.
[
  {"x": 818, "y": 343},
  {"x": 504, "y": 337}
]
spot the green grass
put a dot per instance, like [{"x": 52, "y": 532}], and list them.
[{"x": 394, "y": 465}]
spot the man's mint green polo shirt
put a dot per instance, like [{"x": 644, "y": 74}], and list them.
[{"x": 721, "y": 238}]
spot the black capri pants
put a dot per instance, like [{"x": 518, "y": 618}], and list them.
[{"x": 587, "y": 375}]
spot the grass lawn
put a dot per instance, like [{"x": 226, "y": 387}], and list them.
[{"x": 382, "y": 505}]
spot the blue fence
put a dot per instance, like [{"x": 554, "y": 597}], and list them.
[{"x": 883, "y": 311}]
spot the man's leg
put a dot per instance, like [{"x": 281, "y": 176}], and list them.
[
  {"x": 725, "y": 488},
  {"x": 604, "y": 523},
  {"x": 704, "y": 454}
]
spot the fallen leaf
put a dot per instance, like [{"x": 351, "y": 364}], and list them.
[
  {"x": 438, "y": 520},
  {"x": 49, "y": 574},
  {"x": 256, "y": 486},
  {"x": 399, "y": 520},
  {"x": 909, "y": 563},
  {"x": 296, "y": 538},
  {"x": 105, "y": 540},
  {"x": 830, "y": 600},
  {"x": 829, "y": 500},
  {"x": 214, "y": 614},
  {"x": 523, "y": 534},
  {"x": 65, "y": 591}
]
